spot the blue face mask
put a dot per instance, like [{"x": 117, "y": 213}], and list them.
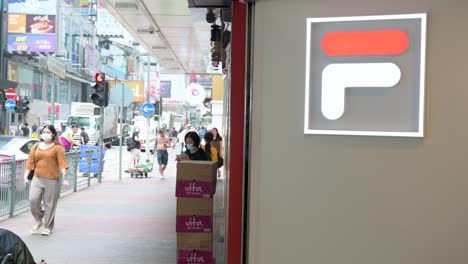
[{"x": 190, "y": 147}]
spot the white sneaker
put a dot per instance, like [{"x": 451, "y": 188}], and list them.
[
  {"x": 161, "y": 175},
  {"x": 35, "y": 229},
  {"x": 46, "y": 232}
]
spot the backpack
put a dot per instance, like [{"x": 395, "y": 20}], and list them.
[{"x": 130, "y": 143}]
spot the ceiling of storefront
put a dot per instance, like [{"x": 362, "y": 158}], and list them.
[{"x": 177, "y": 36}]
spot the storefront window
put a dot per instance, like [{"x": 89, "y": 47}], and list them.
[
  {"x": 63, "y": 92},
  {"x": 61, "y": 96}
]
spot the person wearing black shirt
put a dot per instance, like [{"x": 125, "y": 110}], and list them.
[
  {"x": 25, "y": 130},
  {"x": 135, "y": 149},
  {"x": 84, "y": 136},
  {"x": 193, "y": 152}
]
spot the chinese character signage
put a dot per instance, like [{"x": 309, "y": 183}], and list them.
[
  {"x": 107, "y": 24},
  {"x": 91, "y": 59},
  {"x": 31, "y": 43},
  {"x": 154, "y": 86}
]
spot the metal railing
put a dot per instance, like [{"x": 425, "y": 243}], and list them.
[{"x": 14, "y": 195}]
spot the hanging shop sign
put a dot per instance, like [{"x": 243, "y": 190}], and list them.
[
  {"x": 195, "y": 94},
  {"x": 154, "y": 85},
  {"x": 365, "y": 75},
  {"x": 91, "y": 56},
  {"x": 165, "y": 89}
]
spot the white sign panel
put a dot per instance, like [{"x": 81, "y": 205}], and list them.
[{"x": 365, "y": 75}]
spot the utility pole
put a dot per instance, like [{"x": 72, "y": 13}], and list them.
[
  {"x": 3, "y": 37},
  {"x": 100, "y": 144},
  {"x": 121, "y": 131},
  {"x": 3, "y": 43},
  {"x": 148, "y": 99}
]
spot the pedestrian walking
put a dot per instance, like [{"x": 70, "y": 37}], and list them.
[
  {"x": 67, "y": 138},
  {"x": 174, "y": 137},
  {"x": 217, "y": 140},
  {"x": 34, "y": 133},
  {"x": 47, "y": 161},
  {"x": 25, "y": 130},
  {"x": 12, "y": 129},
  {"x": 162, "y": 143},
  {"x": 218, "y": 144},
  {"x": 210, "y": 150},
  {"x": 135, "y": 148},
  {"x": 181, "y": 139},
  {"x": 193, "y": 152},
  {"x": 84, "y": 136}
]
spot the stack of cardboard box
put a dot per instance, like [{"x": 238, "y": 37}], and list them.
[{"x": 195, "y": 187}]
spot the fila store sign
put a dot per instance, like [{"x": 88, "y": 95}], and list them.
[{"x": 365, "y": 75}]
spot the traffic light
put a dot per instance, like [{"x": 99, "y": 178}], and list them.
[
  {"x": 101, "y": 95},
  {"x": 24, "y": 105},
  {"x": 18, "y": 104},
  {"x": 2, "y": 99},
  {"x": 157, "y": 108}
]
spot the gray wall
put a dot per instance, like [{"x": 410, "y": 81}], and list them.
[{"x": 350, "y": 199}]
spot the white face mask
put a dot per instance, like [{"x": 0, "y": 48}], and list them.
[{"x": 46, "y": 137}]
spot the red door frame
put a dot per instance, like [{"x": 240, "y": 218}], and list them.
[{"x": 237, "y": 122}]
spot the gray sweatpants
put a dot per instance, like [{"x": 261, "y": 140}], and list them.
[{"x": 47, "y": 191}]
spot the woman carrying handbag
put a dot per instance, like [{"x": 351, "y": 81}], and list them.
[{"x": 47, "y": 160}]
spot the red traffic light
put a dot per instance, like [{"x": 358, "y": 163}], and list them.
[{"x": 99, "y": 77}]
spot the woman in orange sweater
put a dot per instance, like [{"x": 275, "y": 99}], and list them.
[{"x": 47, "y": 159}]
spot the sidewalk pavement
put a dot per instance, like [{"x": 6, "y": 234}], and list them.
[{"x": 117, "y": 222}]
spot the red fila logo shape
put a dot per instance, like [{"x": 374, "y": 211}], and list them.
[{"x": 339, "y": 76}]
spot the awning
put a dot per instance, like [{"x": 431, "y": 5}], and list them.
[
  {"x": 79, "y": 79},
  {"x": 5, "y": 84}
]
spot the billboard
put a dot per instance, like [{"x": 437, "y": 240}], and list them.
[
  {"x": 138, "y": 89},
  {"x": 31, "y": 43},
  {"x": 45, "y": 7},
  {"x": 78, "y": 3},
  {"x": 31, "y": 26},
  {"x": 165, "y": 89},
  {"x": 36, "y": 24}
]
